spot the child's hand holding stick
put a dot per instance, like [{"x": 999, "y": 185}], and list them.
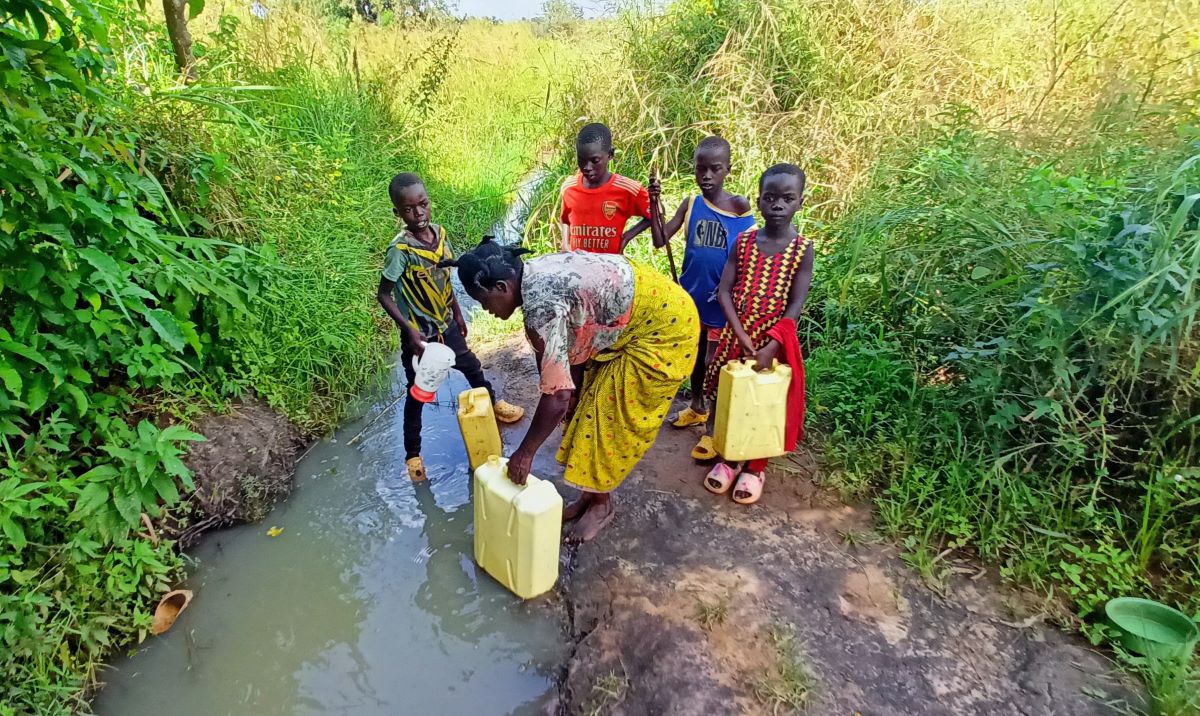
[{"x": 656, "y": 222}]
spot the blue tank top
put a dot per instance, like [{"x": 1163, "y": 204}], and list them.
[{"x": 711, "y": 233}]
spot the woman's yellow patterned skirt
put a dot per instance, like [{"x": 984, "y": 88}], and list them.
[{"x": 628, "y": 389}]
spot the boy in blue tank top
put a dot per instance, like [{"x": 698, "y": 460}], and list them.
[{"x": 712, "y": 221}]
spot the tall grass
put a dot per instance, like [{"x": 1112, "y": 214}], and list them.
[
  {"x": 833, "y": 85},
  {"x": 466, "y": 105}
]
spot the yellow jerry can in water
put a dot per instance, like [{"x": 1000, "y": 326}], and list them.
[
  {"x": 477, "y": 422},
  {"x": 517, "y": 529},
  {"x": 751, "y": 411}
]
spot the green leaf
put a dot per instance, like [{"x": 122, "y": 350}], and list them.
[
  {"x": 178, "y": 432},
  {"x": 193, "y": 338},
  {"x": 129, "y": 506},
  {"x": 92, "y": 498},
  {"x": 102, "y": 263},
  {"x": 81, "y": 401},
  {"x": 167, "y": 328},
  {"x": 37, "y": 394},
  {"x": 13, "y": 531},
  {"x": 12, "y": 380},
  {"x": 99, "y": 474},
  {"x": 174, "y": 466},
  {"x": 195, "y": 7},
  {"x": 25, "y": 352},
  {"x": 167, "y": 490}
]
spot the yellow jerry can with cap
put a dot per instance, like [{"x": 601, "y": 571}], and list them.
[
  {"x": 517, "y": 529},
  {"x": 477, "y": 422},
  {"x": 751, "y": 411}
]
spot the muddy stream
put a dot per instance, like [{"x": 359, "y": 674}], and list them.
[{"x": 367, "y": 602}]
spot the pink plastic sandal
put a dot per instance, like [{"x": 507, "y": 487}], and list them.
[
  {"x": 750, "y": 483},
  {"x": 719, "y": 478}
]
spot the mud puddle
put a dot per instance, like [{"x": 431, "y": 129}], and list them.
[{"x": 367, "y": 602}]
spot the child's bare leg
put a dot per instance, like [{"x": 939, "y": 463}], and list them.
[{"x": 703, "y": 350}]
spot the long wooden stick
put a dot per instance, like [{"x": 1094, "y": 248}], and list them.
[{"x": 656, "y": 219}]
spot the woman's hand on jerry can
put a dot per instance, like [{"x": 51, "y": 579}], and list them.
[
  {"x": 519, "y": 464},
  {"x": 764, "y": 359}
]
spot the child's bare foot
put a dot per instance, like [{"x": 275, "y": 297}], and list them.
[
  {"x": 574, "y": 510},
  {"x": 596, "y": 518}
]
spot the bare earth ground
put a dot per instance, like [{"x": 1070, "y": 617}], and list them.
[
  {"x": 678, "y": 607},
  {"x": 241, "y": 470}
]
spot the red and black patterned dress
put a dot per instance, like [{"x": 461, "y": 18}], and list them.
[{"x": 760, "y": 295}]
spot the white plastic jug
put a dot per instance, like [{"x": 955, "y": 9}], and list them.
[{"x": 432, "y": 368}]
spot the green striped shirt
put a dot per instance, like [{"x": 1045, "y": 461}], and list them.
[{"x": 423, "y": 291}]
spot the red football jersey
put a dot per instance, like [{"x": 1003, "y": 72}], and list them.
[{"x": 597, "y": 217}]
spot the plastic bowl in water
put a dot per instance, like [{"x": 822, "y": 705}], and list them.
[{"x": 1152, "y": 629}]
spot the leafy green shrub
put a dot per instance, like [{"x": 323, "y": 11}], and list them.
[
  {"x": 104, "y": 290},
  {"x": 1059, "y": 298}
]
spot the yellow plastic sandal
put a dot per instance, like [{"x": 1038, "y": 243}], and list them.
[
  {"x": 688, "y": 417},
  {"x": 416, "y": 468},
  {"x": 704, "y": 449},
  {"x": 507, "y": 412}
]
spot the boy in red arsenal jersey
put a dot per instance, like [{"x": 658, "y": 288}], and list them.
[{"x": 596, "y": 204}]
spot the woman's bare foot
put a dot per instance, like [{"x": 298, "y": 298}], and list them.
[
  {"x": 574, "y": 510},
  {"x": 596, "y": 518}
]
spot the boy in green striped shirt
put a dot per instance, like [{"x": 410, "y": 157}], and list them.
[{"x": 417, "y": 294}]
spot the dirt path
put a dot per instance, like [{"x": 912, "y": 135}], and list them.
[{"x": 687, "y": 604}]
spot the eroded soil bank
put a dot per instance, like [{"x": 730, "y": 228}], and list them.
[
  {"x": 692, "y": 604},
  {"x": 241, "y": 470}
]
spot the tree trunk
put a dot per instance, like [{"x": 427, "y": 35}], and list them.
[{"x": 181, "y": 40}]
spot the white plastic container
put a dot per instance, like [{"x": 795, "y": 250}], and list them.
[
  {"x": 517, "y": 529},
  {"x": 432, "y": 369}
]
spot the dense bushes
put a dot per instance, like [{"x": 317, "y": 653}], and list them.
[
  {"x": 104, "y": 289},
  {"x": 1051, "y": 307}
]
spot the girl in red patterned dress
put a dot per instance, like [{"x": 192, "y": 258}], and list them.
[{"x": 765, "y": 281}]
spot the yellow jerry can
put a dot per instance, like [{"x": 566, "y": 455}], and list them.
[
  {"x": 478, "y": 425},
  {"x": 517, "y": 529},
  {"x": 751, "y": 411}
]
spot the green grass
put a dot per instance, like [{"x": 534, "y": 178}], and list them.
[
  {"x": 788, "y": 686},
  {"x": 607, "y": 693},
  {"x": 713, "y": 614}
]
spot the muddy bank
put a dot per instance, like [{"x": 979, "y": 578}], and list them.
[
  {"x": 691, "y": 604},
  {"x": 242, "y": 469}
]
